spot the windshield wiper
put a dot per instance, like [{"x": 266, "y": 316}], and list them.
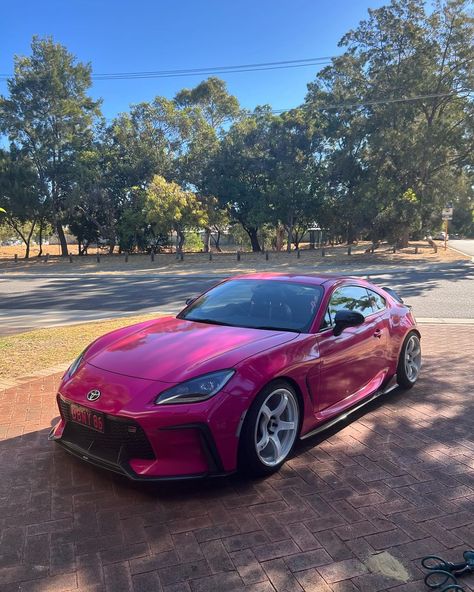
[
  {"x": 209, "y": 321},
  {"x": 269, "y": 328}
]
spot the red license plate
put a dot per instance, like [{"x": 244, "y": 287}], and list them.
[{"x": 87, "y": 417}]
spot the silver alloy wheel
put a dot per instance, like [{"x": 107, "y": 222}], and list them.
[
  {"x": 276, "y": 426},
  {"x": 412, "y": 358}
]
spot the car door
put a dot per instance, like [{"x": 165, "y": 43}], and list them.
[{"x": 353, "y": 363}]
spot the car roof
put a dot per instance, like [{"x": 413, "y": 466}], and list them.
[{"x": 328, "y": 279}]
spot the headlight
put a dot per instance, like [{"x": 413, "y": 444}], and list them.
[
  {"x": 196, "y": 389},
  {"x": 75, "y": 365}
]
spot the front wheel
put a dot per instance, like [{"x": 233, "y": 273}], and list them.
[
  {"x": 409, "y": 363},
  {"x": 270, "y": 429}
]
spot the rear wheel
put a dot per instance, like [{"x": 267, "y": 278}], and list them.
[
  {"x": 270, "y": 429},
  {"x": 409, "y": 363}
]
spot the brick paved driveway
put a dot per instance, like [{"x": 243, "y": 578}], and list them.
[{"x": 354, "y": 510}]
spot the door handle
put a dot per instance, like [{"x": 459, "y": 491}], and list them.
[{"x": 378, "y": 333}]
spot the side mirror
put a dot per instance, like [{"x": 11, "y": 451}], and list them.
[
  {"x": 347, "y": 318},
  {"x": 190, "y": 300}
]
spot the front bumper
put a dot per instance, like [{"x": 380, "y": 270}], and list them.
[{"x": 142, "y": 450}]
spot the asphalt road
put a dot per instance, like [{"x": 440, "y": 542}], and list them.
[
  {"x": 465, "y": 246},
  {"x": 443, "y": 291}
]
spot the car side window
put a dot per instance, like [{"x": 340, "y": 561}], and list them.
[
  {"x": 378, "y": 302},
  {"x": 354, "y": 298}
]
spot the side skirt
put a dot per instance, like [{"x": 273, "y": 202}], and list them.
[{"x": 330, "y": 423}]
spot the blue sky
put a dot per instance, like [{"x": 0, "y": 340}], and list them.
[{"x": 140, "y": 35}]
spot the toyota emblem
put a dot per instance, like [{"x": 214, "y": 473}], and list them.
[{"x": 93, "y": 395}]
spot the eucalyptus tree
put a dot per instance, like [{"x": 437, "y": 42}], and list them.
[
  {"x": 49, "y": 117},
  {"x": 294, "y": 146},
  {"x": 239, "y": 174},
  {"x": 399, "y": 111},
  {"x": 212, "y": 109},
  {"x": 22, "y": 206}
]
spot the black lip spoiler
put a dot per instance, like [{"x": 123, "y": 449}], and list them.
[{"x": 396, "y": 296}]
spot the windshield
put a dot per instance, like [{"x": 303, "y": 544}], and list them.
[{"x": 258, "y": 304}]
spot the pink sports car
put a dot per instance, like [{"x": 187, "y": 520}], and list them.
[{"x": 238, "y": 376}]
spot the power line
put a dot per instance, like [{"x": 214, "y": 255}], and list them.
[
  {"x": 260, "y": 66},
  {"x": 381, "y": 101}
]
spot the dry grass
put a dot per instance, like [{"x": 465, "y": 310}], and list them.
[
  {"x": 27, "y": 353},
  {"x": 417, "y": 253}
]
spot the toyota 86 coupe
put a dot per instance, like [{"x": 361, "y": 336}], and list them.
[{"x": 237, "y": 377}]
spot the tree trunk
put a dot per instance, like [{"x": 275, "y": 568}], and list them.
[
  {"x": 402, "y": 241},
  {"x": 62, "y": 239},
  {"x": 351, "y": 235},
  {"x": 289, "y": 240},
  {"x": 180, "y": 238},
  {"x": 280, "y": 237},
  {"x": 252, "y": 232},
  {"x": 207, "y": 240},
  {"x": 217, "y": 241},
  {"x": 28, "y": 240},
  {"x": 111, "y": 248},
  {"x": 40, "y": 236}
]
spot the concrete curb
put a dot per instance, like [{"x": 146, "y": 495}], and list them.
[
  {"x": 443, "y": 321},
  {"x": 11, "y": 383}
]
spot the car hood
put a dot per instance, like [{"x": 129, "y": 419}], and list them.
[{"x": 173, "y": 350}]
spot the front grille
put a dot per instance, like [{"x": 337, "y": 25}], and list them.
[{"x": 123, "y": 438}]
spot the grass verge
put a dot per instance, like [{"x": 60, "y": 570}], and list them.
[{"x": 26, "y": 353}]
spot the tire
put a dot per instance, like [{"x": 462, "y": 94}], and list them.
[
  {"x": 409, "y": 362},
  {"x": 267, "y": 438}
]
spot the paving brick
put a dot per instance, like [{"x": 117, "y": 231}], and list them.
[
  {"x": 146, "y": 582},
  {"x": 183, "y": 572},
  {"x": 273, "y": 527},
  {"x": 242, "y": 541},
  {"x": 230, "y": 582},
  {"x": 281, "y": 577},
  {"x": 455, "y": 520},
  {"x": 62, "y": 558},
  {"x": 89, "y": 570},
  {"x": 311, "y": 581},
  {"x": 248, "y": 566},
  {"x": 217, "y": 557},
  {"x": 187, "y": 547},
  {"x": 275, "y": 550},
  {"x": 342, "y": 570},
  {"x": 384, "y": 540},
  {"x": 332, "y": 543},
  {"x": 118, "y": 554},
  {"x": 302, "y": 536},
  {"x": 117, "y": 578},
  {"x": 307, "y": 560},
  {"x": 165, "y": 559},
  {"x": 439, "y": 532},
  {"x": 59, "y": 583},
  {"x": 37, "y": 550}
]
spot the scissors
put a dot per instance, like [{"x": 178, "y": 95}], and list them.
[{"x": 442, "y": 574}]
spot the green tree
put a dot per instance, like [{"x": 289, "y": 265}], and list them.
[
  {"x": 239, "y": 173},
  {"x": 294, "y": 173},
  {"x": 49, "y": 116},
  {"x": 211, "y": 96},
  {"x": 19, "y": 195},
  {"x": 168, "y": 207},
  {"x": 400, "y": 51}
]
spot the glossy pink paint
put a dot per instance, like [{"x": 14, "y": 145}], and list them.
[{"x": 131, "y": 366}]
